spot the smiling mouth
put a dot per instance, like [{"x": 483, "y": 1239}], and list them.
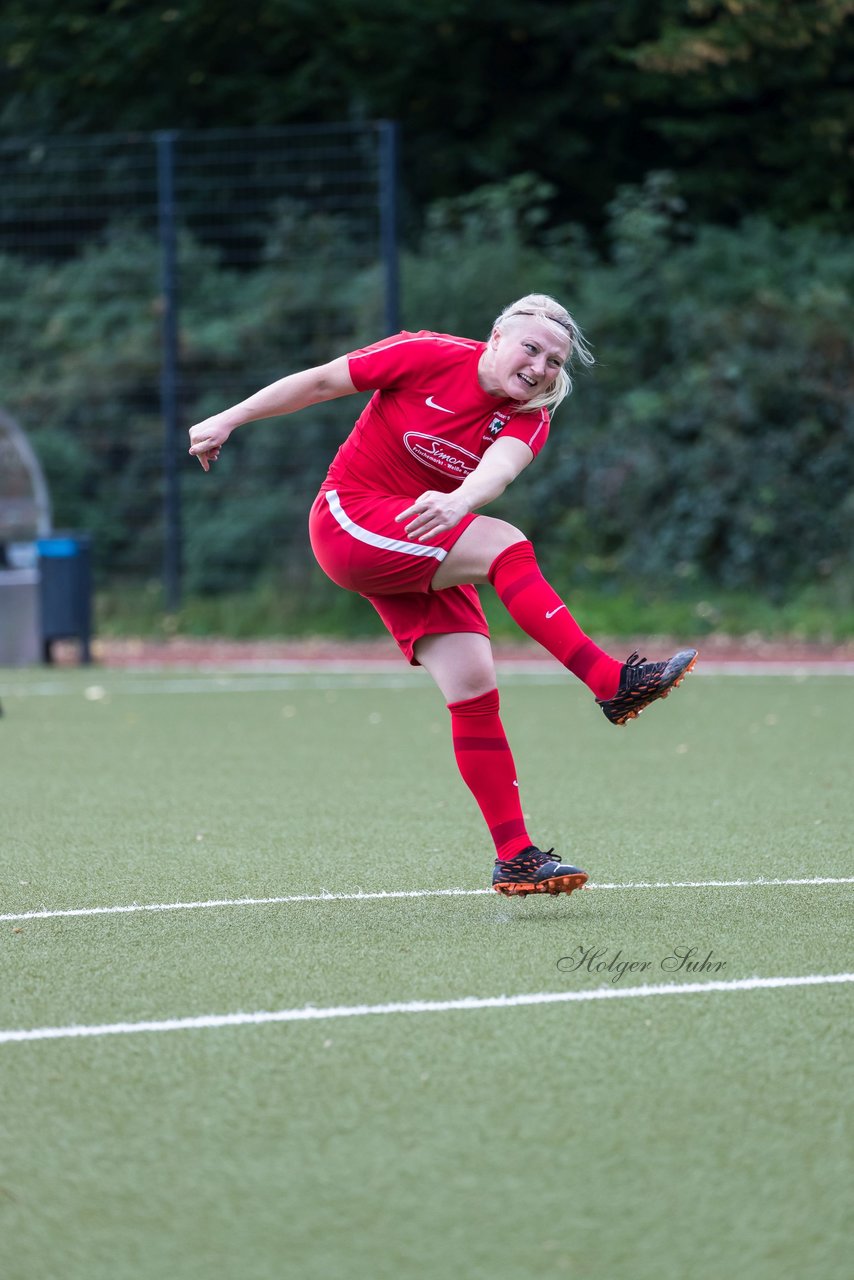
[{"x": 523, "y": 377}]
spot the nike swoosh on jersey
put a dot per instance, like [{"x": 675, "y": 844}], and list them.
[
  {"x": 552, "y": 612},
  {"x": 431, "y": 404}
]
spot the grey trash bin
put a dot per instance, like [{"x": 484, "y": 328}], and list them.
[
  {"x": 24, "y": 516},
  {"x": 66, "y": 591},
  {"x": 19, "y": 614}
]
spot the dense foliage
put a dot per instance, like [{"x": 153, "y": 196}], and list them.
[
  {"x": 748, "y": 101},
  {"x": 714, "y": 439}
]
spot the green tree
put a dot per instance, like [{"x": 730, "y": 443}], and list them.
[
  {"x": 753, "y": 98},
  {"x": 747, "y": 99}
]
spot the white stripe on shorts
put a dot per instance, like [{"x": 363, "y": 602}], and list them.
[{"x": 378, "y": 539}]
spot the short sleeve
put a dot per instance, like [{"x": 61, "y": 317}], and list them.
[
  {"x": 531, "y": 428},
  {"x": 394, "y": 361}
]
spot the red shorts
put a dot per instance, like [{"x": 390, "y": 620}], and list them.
[{"x": 358, "y": 545}]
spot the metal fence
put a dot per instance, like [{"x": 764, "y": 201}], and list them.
[{"x": 148, "y": 279}]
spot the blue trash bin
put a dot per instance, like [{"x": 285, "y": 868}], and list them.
[{"x": 66, "y": 591}]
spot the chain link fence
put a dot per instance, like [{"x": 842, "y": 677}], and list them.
[{"x": 147, "y": 280}]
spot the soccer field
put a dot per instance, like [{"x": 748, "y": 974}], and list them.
[{"x": 263, "y": 1018}]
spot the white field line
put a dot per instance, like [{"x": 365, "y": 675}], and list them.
[
  {"x": 311, "y": 1013},
  {"x": 377, "y": 676},
  {"x": 389, "y": 894}
]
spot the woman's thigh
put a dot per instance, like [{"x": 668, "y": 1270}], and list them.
[{"x": 471, "y": 556}]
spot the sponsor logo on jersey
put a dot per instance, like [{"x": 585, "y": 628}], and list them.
[{"x": 442, "y": 455}]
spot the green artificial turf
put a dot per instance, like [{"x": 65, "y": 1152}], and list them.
[{"x": 696, "y": 1137}]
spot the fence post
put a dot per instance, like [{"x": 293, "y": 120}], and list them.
[
  {"x": 165, "y": 141},
  {"x": 388, "y": 137}
]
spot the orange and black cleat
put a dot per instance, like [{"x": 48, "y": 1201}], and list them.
[
  {"x": 533, "y": 871},
  {"x": 643, "y": 682}
]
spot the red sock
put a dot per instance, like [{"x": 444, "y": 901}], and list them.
[
  {"x": 486, "y": 764},
  {"x": 541, "y": 613}
]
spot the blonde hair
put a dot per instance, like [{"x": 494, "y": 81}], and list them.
[{"x": 541, "y": 307}]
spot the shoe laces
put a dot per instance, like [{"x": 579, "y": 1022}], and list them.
[
  {"x": 534, "y": 857},
  {"x": 637, "y": 669}
]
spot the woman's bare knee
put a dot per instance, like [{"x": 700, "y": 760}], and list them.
[{"x": 460, "y": 663}]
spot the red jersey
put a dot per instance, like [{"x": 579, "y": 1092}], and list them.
[{"x": 429, "y": 422}]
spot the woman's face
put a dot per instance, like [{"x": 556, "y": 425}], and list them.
[{"x": 523, "y": 359}]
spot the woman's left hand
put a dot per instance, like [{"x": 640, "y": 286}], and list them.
[{"x": 433, "y": 513}]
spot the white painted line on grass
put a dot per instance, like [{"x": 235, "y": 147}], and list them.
[
  {"x": 383, "y": 894},
  {"x": 311, "y": 1013},
  {"x": 375, "y": 677},
  {"x": 108, "y": 685}
]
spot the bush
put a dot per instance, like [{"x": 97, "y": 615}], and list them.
[{"x": 715, "y": 438}]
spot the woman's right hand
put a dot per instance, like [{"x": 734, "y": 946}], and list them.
[{"x": 207, "y": 439}]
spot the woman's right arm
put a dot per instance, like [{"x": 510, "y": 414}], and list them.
[{"x": 296, "y": 391}]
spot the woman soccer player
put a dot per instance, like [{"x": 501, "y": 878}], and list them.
[{"x": 451, "y": 423}]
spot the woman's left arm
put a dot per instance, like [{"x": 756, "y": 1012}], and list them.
[{"x": 435, "y": 512}]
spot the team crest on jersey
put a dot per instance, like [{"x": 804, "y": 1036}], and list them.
[
  {"x": 442, "y": 455},
  {"x": 498, "y": 423}
]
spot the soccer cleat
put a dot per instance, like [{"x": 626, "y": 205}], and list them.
[
  {"x": 533, "y": 871},
  {"x": 641, "y": 682}
]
